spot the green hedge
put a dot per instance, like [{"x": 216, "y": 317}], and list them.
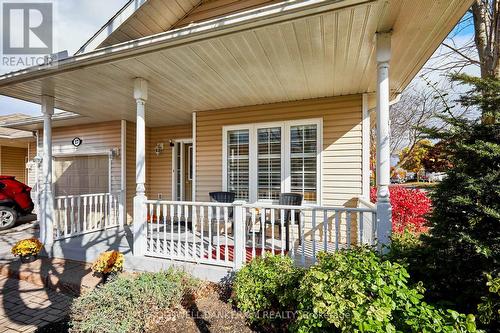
[
  {"x": 124, "y": 304},
  {"x": 350, "y": 291},
  {"x": 265, "y": 286}
]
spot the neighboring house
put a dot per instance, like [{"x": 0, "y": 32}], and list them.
[
  {"x": 15, "y": 146},
  {"x": 182, "y": 98}
]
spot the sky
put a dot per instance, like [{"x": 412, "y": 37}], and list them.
[{"x": 75, "y": 21}]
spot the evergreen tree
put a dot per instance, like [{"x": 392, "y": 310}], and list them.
[{"x": 463, "y": 244}]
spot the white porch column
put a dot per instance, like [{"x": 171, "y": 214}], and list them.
[
  {"x": 47, "y": 197},
  {"x": 384, "y": 210},
  {"x": 140, "y": 214}
]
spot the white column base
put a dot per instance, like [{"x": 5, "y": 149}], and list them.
[
  {"x": 239, "y": 234},
  {"x": 47, "y": 219},
  {"x": 384, "y": 224},
  {"x": 139, "y": 226}
]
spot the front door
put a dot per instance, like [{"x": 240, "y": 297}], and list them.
[{"x": 182, "y": 170}]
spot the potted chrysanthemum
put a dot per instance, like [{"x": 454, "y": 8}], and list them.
[
  {"x": 27, "y": 249},
  {"x": 108, "y": 263}
]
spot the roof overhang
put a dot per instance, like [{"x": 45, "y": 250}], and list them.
[
  {"x": 287, "y": 51},
  {"x": 125, "y": 13},
  {"x": 61, "y": 119},
  {"x": 16, "y": 142}
]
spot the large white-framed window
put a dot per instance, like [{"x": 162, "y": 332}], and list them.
[{"x": 262, "y": 160}]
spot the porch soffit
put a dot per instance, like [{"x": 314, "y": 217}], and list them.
[
  {"x": 141, "y": 18},
  {"x": 320, "y": 55}
]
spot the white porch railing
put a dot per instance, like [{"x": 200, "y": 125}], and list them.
[
  {"x": 190, "y": 231},
  {"x": 80, "y": 214},
  {"x": 232, "y": 234}
]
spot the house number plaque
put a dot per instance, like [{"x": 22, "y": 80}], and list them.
[{"x": 77, "y": 142}]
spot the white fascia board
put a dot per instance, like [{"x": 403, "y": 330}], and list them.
[
  {"x": 272, "y": 14},
  {"x": 112, "y": 25},
  {"x": 39, "y": 119}
]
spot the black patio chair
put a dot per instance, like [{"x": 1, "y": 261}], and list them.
[
  {"x": 223, "y": 197},
  {"x": 288, "y": 199}
]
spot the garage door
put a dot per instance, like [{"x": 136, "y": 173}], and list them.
[{"x": 81, "y": 175}]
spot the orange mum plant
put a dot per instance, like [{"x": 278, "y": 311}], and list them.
[
  {"x": 108, "y": 262},
  {"x": 26, "y": 247}
]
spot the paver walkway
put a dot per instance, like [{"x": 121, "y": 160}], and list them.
[
  {"x": 26, "y": 307},
  {"x": 26, "y": 302}
]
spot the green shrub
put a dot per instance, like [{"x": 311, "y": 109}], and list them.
[
  {"x": 124, "y": 304},
  {"x": 489, "y": 309},
  {"x": 464, "y": 236},
  {"x": 356, "y": 291},
  {"x": 267, "y": 285},
  {"x": 404, "y": 246}
]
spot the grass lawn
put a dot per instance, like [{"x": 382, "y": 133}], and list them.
[{"x": 419, "y": 185}]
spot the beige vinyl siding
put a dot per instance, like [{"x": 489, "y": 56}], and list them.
[
  {"x": 159, "y": 177},
  {"x": 13, "y": 162},
  {"x": 158, "y": 168},
  {"x": 342, "y": 142},
  {"x": 97, "y": 138}
]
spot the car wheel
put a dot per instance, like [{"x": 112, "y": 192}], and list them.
[{"x": 8, "y": 217}]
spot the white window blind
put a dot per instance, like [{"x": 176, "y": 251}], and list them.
[
  {"x": 269, "y": 163},
  {"x": 264, "y": 160},
  {"x": 238, "y": 163},
  {"x": 303, "y": 160}
]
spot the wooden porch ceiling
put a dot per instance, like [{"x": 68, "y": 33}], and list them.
[{"x": 327, "y": 53}]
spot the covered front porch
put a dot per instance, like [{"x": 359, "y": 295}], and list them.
[
  {"x": 271, "y": 100},
  {"x": 166, "y": 224}
]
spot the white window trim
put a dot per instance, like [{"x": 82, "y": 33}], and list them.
[
  {"x": 189, "y": 163},
  {"x": 285, "y": 151},
  {"x": 181, "y": 142}
]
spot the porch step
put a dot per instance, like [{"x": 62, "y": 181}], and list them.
[
  {"x": 201, "y": 271},
  {"x": 86, "y": 248},
  {"x": 66, "y": 276}
]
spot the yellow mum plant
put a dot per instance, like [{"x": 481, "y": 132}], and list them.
[
  {"x": 26, "y": 247},
  {"x": 108, "y": 262}
]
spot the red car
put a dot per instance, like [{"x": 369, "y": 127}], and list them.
[{"x": 15, "y": 201}]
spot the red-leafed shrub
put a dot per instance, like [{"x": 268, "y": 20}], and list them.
[{"x": 409, "y": 207}]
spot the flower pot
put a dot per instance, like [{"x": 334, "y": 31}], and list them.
[
  {"x": 28, "y": 258},
  {"x": 107, "y": 276}
]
